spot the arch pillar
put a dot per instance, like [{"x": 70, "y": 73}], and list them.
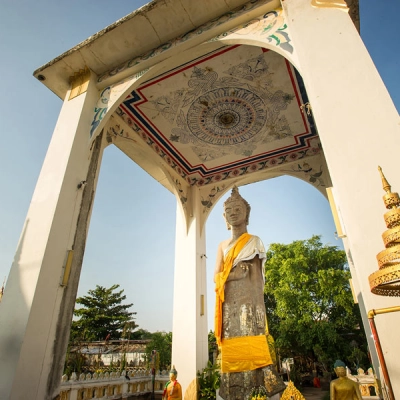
[
  {"x": 36, "y": 310},
  {"x": 190, "y": 335},
  {"x": 359, "y": 129}
]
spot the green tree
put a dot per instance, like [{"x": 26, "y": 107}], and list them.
[
  {"x": 141, "y": 334},
  {"x": 102, "y": 315},
  {"x": 212, "y": 345},
  {"x": 162, "y": 343},
  {"x": 309, "y": 303}
]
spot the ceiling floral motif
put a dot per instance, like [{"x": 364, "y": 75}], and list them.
[{"x": 230, "y": 112}]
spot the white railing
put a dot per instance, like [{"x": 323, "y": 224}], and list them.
[{"x": 112, "y": 385}]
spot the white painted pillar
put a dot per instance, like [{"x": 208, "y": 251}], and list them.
[
  {"x": 36, "y": 310},
  {"x": 359, "y": 130},
  {"x": 357, "y": 294},
  {"x": 189, "y": 329}
]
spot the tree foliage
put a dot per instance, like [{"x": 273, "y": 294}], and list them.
[
  {"x": 309, "y": 302},
  {"x": 162, "y": 343},
  {"x": 102, "y": 315},
  {"x": 209, "y": 380},
  {"x": 140, "y": 334},
  {"x": 212, "y": 345}
]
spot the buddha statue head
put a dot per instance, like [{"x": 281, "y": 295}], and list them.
[
  {"x": 340, "y": 368},
  {"x": 236, "y": 209},
  {"x": 173, "y": 373}
]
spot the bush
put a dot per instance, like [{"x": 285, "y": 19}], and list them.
[{"x": 209, "y": 380}]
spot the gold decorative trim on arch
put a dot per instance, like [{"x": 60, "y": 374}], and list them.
[
  {"x": 330, "y": 4},
  {"x": 79, "y": 83}
]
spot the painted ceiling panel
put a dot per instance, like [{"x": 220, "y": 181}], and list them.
[{"x": 236, "y": 107}]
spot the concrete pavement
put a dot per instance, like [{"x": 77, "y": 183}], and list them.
[{"x": 311, "y": 393}]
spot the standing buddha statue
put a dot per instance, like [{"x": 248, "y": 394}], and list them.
[{"x": 240, "y": 318}]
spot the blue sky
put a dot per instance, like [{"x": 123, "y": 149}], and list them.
[{"x": 131, "y": 237}]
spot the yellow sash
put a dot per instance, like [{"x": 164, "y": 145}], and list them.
[
  {"x": 245, "y": 353},
  {"x": 220, "y": 280}
]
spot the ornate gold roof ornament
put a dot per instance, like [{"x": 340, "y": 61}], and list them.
[
  {"x": 292, "y": 393},
  {"x": 329, "y": 4},
  {"x": 386, "y": 281}
]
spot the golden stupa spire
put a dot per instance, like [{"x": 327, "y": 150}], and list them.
[
  {"x": 385, "y": 183},
  {"x": 386, "y": 281}
]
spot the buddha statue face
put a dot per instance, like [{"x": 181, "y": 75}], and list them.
[
  {"x": 235, "y": 213},
  {"x": 172, "y": 377},
  {"x": 340, "y": 368},
  {"x": 340, "y": 372}
]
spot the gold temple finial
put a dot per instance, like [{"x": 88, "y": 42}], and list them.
[
  {"x": 385, "y": 184},
  {"x": 386, "y": 281}
]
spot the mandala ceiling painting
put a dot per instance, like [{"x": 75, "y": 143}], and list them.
[{"x": 229, "y": 109}]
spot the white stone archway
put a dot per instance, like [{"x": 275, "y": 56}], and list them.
[{"x": 357, "y": 127}]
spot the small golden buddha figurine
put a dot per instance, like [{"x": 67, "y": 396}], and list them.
[
  {"x": 344, "y": 388},
  {"x": 173, "y": 389}
]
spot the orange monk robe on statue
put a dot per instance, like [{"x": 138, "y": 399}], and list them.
[{"x": 173, "y": 390}]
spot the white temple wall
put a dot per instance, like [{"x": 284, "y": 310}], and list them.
[{"x": 359, "y": 130}]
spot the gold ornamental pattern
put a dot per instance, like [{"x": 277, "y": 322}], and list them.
[
  {"x": 386, "y": 281},
  {"x": 380, "y": 281},
  {"x": 392, "y": 217},
  {"x": 391, "y": 236}
]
